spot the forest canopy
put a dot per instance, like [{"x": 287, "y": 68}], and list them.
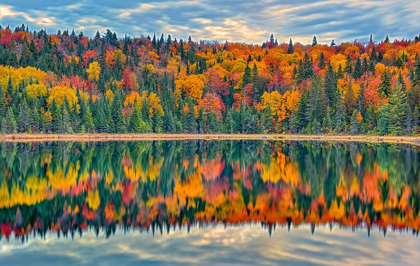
[{"x": 70, "y": 83}]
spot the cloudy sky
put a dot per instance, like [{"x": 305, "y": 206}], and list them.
[{"x": 234, "y": 20}]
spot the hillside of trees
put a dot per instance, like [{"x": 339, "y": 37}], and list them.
[{"x": 69, "y": 83}]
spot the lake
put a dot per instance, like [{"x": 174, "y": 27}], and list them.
[{"x": 209, "y": 202}]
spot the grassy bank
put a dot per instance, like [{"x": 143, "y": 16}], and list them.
[{"x": 131, "y": 137}]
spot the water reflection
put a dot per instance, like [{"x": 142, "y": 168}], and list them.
[{"x": 70, "y": 188}]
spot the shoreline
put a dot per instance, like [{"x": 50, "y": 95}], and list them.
[{"x": 82, "y": 137}]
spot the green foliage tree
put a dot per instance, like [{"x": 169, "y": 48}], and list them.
[{"x": 9, "y": 125}]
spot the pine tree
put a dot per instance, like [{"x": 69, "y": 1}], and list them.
[
  {"x": 101, "y": 121},
  {"x": 358, "y": 71},
  {"x": 24, "y": 118},
  {"x": 321, "y": 63},
  {"x": 383, "y": 121},
  {"x": 66, "y": 127},
  {"x": 88, "y": 121},
  {"x": 354, "y": 123},
  {"x": 136, "y": 125},
  {"x": 330, "y": 84},
  {"x": 3, "y": 109},
  {"x": 117, "y": 115},
  {"x": 349, "y": 101},
  {"x": 408, "y": 121},
  {"x": 314, "y": 41},
  {"x": 339, "y": 115},
  {"x": 191, "y": 124},
  {"x": 168, "y": 122},
  {"x": 385, "y": 87},
  {"x": 200, "y": 121},
  {"x": 397, "y": 107},
  {"x": 247, "y": 76},
  {"x": 307, "y": 67},
  {"x": 373, "y": 56},
  {"x": 56, "y": 116},
  {"x": 290, "y": 50},
  {"x": 349, "y": 65},
  {"x": 145, "y": 111},
  {"x": 9, "y": 124},
  {"x": 416, "y": 117}
]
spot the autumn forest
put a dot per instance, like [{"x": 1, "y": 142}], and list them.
[{"x": 66, "y": 82}]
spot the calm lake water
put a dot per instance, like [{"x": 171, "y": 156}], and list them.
[{"x": 209, "y": 203}]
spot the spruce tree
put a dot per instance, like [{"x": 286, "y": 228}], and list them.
[
  {"x": 349, "y": 65},
  {"x": 397, "y": 107},
  {"x": 358, "y": 71},
  {"x": 385, "y": 87},
  {"x": 339, "y": 115},
  {"x": 136, "y": 124},
  {"x": 117, "y": 115},
  {"x": 330, "y": 84},
  {"x": 354, "y": 123},
  {"x": 9, "y": 125},
  {"x": 349, "y": 101},
  {"x": 383, "y": 120},
  {"x": 56, "y": 116},
  {"x": 168, "y": 122},
  {"x": 321, "y": 63},
  {"x": 247, "y": 76},
  {"x": 3, "y": 104},
  {"x": 416, "y": 119},
  {"x": 24, "y": 117},
  {"x": 290, "y": 50},
  {"x": 66, "y": 126},
  {"x": 88, "y": 121},
  {"x": 314, "y": 41},
  {"x": 191, "y": 124}
]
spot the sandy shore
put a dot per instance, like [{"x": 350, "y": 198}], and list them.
[{"x": 131, "y": 137}]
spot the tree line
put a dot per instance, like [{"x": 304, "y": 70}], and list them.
[{"x": 69, "y": 83}]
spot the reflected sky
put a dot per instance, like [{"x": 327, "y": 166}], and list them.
[{"x": 241, "y": 245}]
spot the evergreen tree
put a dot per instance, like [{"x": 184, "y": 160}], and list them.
[
  {"x": 358, "y": 71},
  {"x": 117, "y": 115},
  {"x": 168, "y": 122},
  {"x": 3, "y": 103},
  {"x": 385, "y": 87},
  {"x": 383, "y": 121},
  {"x": 373, "y": 55},
  {"x": 339, "y": 115},
  {"x": 9, "y": 124},
  {"x": 66, "y": 127},
  {"x": 136, "y": 125},
  {"x": 24, "y": 117},
  {"x": 397, "y": 107},
  {"x": 307, "y": 67},
  {"x": 290, "y": 50},
  {"x": 101, "y": 120},
  {"x": 330, "y": 85},
  {"x": 349, "y": 101},
  {"x": 354, "y": 123},
  {"x": 88, "y": 121},
  {"x": 314, "y": 41},
  {"x": 247, "y": 76},
  {"x": 321, "y": 63},
  {"x": 56, "y": 115},
  {"x": 416, "y": 117},
  {"x": 349, "y": 65}
]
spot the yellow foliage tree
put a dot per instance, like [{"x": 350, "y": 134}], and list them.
[
  {"x": 192, "y": 85},
  {"x": 35, "y": 91},
  {"x": 93, "y": 71},
  {"x": 58, "y": 94}
]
